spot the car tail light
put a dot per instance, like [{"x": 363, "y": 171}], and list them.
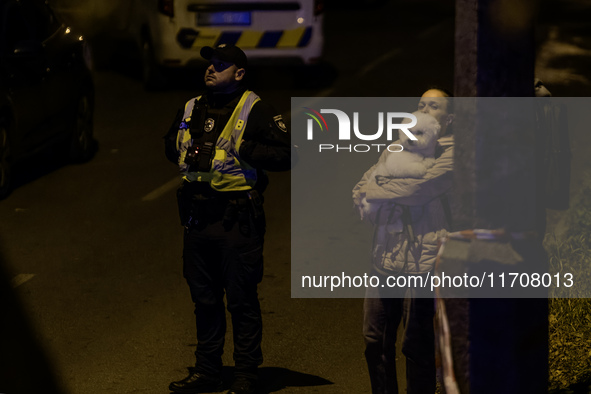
[
  {"x": 318, "y": 7},
  {"x": 166, "y": 7}
]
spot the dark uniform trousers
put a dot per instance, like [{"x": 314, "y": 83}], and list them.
[{"x": 223, "y": 251}]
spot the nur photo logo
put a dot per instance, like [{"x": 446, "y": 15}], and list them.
[
  {"x": 315, "y": 117},
  {"x": 387, "y": 122}
]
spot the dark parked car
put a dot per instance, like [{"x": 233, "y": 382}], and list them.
[{"x": 46, "y": 88}]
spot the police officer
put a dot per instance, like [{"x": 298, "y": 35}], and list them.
[{"x": 223, "y": 142}]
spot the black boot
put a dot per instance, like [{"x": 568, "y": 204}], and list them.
[
  {"x": 242, "y": 385},
  {"x": 197, "y": 383}
]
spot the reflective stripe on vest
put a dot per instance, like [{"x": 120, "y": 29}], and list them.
[{"x": 228, "y": 172}]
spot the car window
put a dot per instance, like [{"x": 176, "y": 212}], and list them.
[
  {"x": 16, "y": 28},
  {"x": 40, "y": 19}
]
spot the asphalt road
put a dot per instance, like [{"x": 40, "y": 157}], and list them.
[{"x": 96, "y": 248}]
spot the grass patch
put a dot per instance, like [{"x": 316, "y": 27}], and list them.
[{"x": 569, "y": 314}]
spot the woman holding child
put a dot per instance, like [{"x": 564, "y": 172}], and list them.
[{"x": 413, "y": 214}]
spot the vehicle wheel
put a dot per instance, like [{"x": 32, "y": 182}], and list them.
[
  {"x": 152, "y": 75},
  {"x": 5, "y": 186},
  {"x": 81, "y": 143}
]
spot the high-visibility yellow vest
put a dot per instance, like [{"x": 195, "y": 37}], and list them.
[{"x": 228, "y": 171}]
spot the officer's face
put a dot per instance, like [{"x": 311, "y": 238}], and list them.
[
  {"x": 222, "y": 76},
  {"x": 434, "y": 102}
]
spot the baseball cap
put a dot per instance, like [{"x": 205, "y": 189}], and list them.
[{"x": 226, "y": 52}]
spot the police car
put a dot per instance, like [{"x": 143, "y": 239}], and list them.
[{"x": 170, "y": 33}]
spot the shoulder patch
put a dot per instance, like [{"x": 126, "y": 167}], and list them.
[{"x": 279, "y": 123}]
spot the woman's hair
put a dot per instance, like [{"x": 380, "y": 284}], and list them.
[{"x": 443, "y": 90}]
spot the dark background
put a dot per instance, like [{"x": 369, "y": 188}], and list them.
[{"x": 103, "y": 243}]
